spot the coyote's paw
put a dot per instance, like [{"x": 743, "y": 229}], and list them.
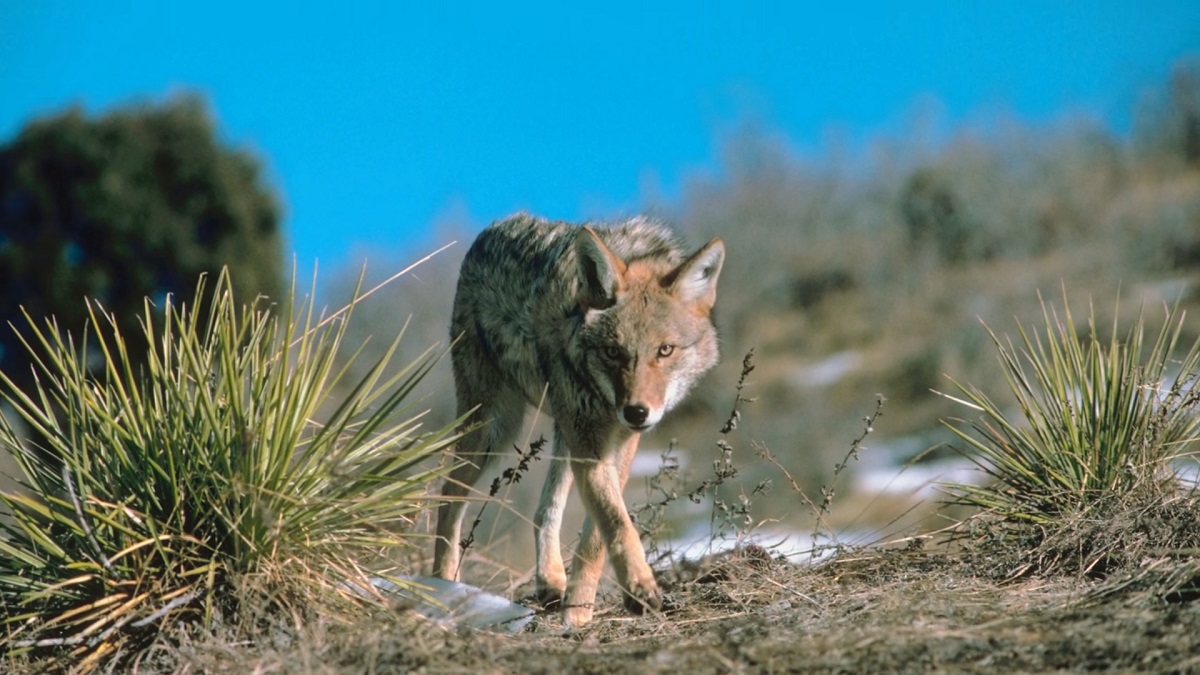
[
  {"x": 549, "y": 597},
  {"x": 576, "y": 616},
  {"x": 642, "y": 597},
  {"x": 550, "y": 585}
]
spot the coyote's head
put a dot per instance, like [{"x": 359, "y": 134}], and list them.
[{"x": 646, "y": 335}]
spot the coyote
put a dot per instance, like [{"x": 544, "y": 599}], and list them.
[{"x": 612, "y": 326}]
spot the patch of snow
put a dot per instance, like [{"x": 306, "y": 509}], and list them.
[
  {"x": 827, "y": 371},
  {"x": 457, "y": 604},
  {"x": 918, "y": 480},
  {"x": 646, "y": 462}
]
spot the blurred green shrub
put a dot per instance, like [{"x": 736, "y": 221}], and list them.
[{"x": 132, "y": 205}]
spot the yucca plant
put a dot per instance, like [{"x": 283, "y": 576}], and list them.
[
  {"x": 1097, "y": 418},
  {"x": 158, "y": 486}
]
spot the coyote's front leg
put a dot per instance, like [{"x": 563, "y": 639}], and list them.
[
  {"x": 551, "y": 576},
  {"x": 608, "y": 526}
]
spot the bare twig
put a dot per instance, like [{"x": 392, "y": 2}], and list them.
[
  {"x": 821, "y": 510},
  {"x": 723, "y": 467},
  {"x": 510, "y": 476}
]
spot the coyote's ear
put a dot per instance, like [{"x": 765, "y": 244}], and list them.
[
  {"x": 601, "y": 272},
  {"x": 695, "y": 280}
]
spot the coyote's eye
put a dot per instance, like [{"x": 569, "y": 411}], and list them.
[
  {"x": 612, "y": 353},
  {"x": 665, "y": 351}
]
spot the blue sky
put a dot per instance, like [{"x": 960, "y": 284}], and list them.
[{"x": 379, "y": 120}]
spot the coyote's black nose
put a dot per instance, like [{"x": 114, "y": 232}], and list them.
[{"x": 636, "y": 414}]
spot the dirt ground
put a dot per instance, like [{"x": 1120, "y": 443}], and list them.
[{"x": 863, "y": 612}]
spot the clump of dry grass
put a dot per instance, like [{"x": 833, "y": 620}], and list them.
[
  {"x": 1083, "y": 483},
  {"x": 1104, "y": 539},
  {"x": 159, "y": 491}
]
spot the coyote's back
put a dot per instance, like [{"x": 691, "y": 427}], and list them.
[{"x": 612, "y": 327}]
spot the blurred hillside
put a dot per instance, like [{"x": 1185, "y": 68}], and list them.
[
  {"x": 869, "y": 276},
  {"x": 857, "y": 281}
]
